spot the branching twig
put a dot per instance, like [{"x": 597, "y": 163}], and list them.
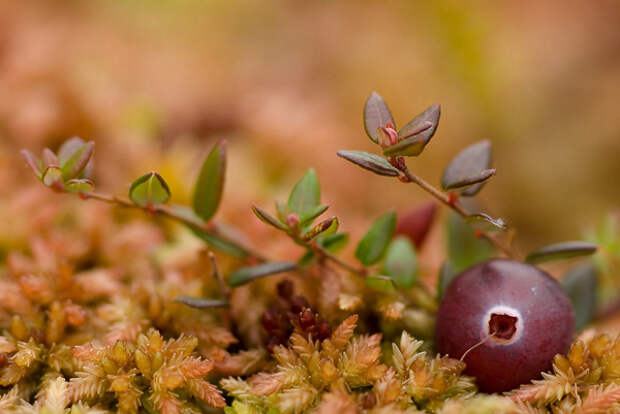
[
  {"x": 445, "y": 198},
  {"x": 322, "y": 252},
  {"x": 168, "y": 212}
]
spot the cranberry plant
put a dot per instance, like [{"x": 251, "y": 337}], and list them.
[{"x": 319, "y": 364}]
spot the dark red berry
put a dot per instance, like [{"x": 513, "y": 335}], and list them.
[{"x": 520, "y": 314}]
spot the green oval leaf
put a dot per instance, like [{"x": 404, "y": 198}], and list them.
[
  {"x": 376, "y": 115},
  {"x": 470, "y": 167},
  {"x": 202, "y": 303},
  {"x": 52, "y": 177},
  {"x": 380, "y": 282},
  {"x": 401, "y": 262},
  {"x": 580, "y": 284},
  {"x": 334, "y": 242},
  {"x": 220, "y": 244},
  {"x": 282, "y": 210},
  {"x": 306, "y": 194},
  {"x": 249, "y": 273},
  {"x": 68, "y": 148},
  {"x": 558, "y": 251},
  {"x": 210, "y": 184},
  {"x": 313, "y": 213},
  {"x": 447, "y": 273},
  {"x": 80, "y": 186},
  {"x": 373, "y": 245},
  {"x": 307, "y": 258},
  {"x": 371, "y": 162},
  {"x": 464, "y": 248},
  {"x": 149, "y": 189},
  {"x": 72, "y": 164},
  {"x": 268, "y": 218}
]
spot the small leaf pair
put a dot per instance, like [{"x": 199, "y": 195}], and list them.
[
  {"x": 410, "y": 140},
  {"x": 149, "y": 190},
  {"x": 469, "y": 170},
  {"x": 400, "y": 264},
  {"x": 66, "y": 170},
  {"x": 373, "y": 245},
  {"x": 298, "y": 214},
  {"x": 399, "y": 269}
]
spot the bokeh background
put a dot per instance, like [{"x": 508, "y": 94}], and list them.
[{"x": 156, "y": 83}]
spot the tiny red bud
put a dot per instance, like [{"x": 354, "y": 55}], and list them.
[
  {"x": 388, "y": 136},
  {"x": 292, "y": 220},
  {"x": 452, "y": 198}
]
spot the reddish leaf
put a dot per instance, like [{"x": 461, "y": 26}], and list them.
[
  {"x": 376, "y": 115},
  {"x": 417, "y": 222},
  {"x": 34, "y": 163}
]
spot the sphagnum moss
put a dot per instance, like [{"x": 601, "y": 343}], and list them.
[{"x": 111, "y": 318}]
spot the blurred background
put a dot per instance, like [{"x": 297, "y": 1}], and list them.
[{"x": 156, "y": 83}]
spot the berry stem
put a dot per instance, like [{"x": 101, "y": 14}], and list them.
[{"x": 445, "y": 198}]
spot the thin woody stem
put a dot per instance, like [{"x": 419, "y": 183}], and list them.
[
  {"x": 324, "y": 254},
  {"x": 166, "y": 211},
  {"x": 218, "y": 275},
  {"x": 445, "y": 198},
  {"x": 338, "y": 261}
]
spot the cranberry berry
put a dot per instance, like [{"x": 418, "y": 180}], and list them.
[{"x": 519, "y": 316}]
